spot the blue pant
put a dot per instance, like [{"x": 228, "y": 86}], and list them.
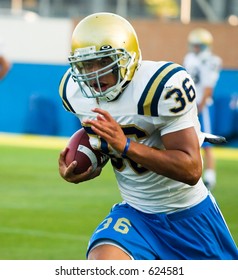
[{"x": 198, "y": 233}]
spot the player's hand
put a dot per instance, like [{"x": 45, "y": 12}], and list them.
[
  {"x": 67, "y": 172},
  {"x": 200, "y": 108},
  {"x": 107, "y": 128}
]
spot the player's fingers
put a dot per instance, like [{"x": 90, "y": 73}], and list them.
[
  {"x": 69, "y": 171},
  {"x": 85, "y": 176},
  {"x": 103, "y": 113},
  {"x": 109, "y": 128},
  {"x": 96, "y": 172},
  {"x": 62, "y": 154}
]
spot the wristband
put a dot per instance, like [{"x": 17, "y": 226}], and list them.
[{"x": 128, "y": 141}]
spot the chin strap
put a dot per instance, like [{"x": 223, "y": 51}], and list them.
[
  {"x": 114, "y": 96},
  {"x": 214, "y": 139}
]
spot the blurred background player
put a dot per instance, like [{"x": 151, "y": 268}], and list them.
[
  {"x": 4, "y": 63},
  {"x": 204, "y": 67}
]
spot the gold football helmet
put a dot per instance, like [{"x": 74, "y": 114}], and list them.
[
  {"x": 200, "y": 39},
  {"x": 108, "y": 38}
]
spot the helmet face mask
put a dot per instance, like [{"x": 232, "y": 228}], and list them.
[
  {"x": 104, "y": 55},
  {"x": 197, "y": 48},
  {"x": 88, "y": 66}
]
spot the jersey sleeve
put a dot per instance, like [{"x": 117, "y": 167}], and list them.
[
  {"x": 212, "y": 71},
  {"x": 169, "y": 92},
  {"x": 65, "y": 86},
  {"x": 182, "y": 122},
  {"x": 187, "y": 60},
  {"x": 178, "y": 96},
  {"x": 177, "y": 105}
]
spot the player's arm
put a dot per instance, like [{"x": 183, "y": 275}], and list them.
[
  {"x": 207, "y": 94},
  {"x": 67, "y": 171},
  {"x": 180, "y": 161},
  {"x": 211, "y": 76},
  {"x": 4, "y": 67}
]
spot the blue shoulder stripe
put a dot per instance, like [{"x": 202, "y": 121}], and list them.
[
  {"x": 63, "y": 92},
  {"x": 148, "y": 103}
]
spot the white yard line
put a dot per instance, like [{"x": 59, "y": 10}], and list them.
[{"x": 41, "y": 233}]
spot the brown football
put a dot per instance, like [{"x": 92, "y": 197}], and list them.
[{"x": 81, "y": 151}]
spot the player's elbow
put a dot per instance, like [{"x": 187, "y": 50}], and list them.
[
  {"x": 193, "y": 180},
  {"x": 194, "y": 175}
]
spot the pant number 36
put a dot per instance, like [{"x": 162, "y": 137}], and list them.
[{"x": 121, "y": 225}]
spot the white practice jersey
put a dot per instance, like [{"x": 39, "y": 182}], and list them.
[
  {"x": 1, "y": 48},
  {"x": 160, "y": 99},
  {"x": 204, "y": 69}
]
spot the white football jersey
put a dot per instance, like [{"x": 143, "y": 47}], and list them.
[
  {"x": 204, "y": 69},
  {"x": 160, "y": 99}
]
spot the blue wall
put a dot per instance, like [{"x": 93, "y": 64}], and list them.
[
  {"x": 30, "y": 102},
  {"x": 226, "y": 106}
]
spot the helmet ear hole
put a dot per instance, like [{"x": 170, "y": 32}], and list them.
[{"x": 107, "y": 47}]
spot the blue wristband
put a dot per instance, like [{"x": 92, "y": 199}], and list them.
[{"x": 128, "y": 141}]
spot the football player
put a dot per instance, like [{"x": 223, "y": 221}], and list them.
[
  {"x": 204, "y": 67},
  {"x": 143, "y": 115}
]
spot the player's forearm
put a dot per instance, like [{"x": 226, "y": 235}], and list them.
[
  {"x": 174, "y": 164},
  {"x": 206, "y": 96},
  {"x": 4, "y": 67}
]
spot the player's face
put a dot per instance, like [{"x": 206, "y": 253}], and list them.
[
  {"x": 104, "y": 81},
  {"x": 196, "y": 48}
]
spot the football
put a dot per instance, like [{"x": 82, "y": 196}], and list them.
[{"x": 79, "y": 149}]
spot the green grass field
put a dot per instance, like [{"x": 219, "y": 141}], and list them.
[{"x": 42, "y": 217}]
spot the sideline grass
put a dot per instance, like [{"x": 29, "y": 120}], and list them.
[
  {"x": 44, "y": 217},
  {"x": 41, "y": 215}
]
